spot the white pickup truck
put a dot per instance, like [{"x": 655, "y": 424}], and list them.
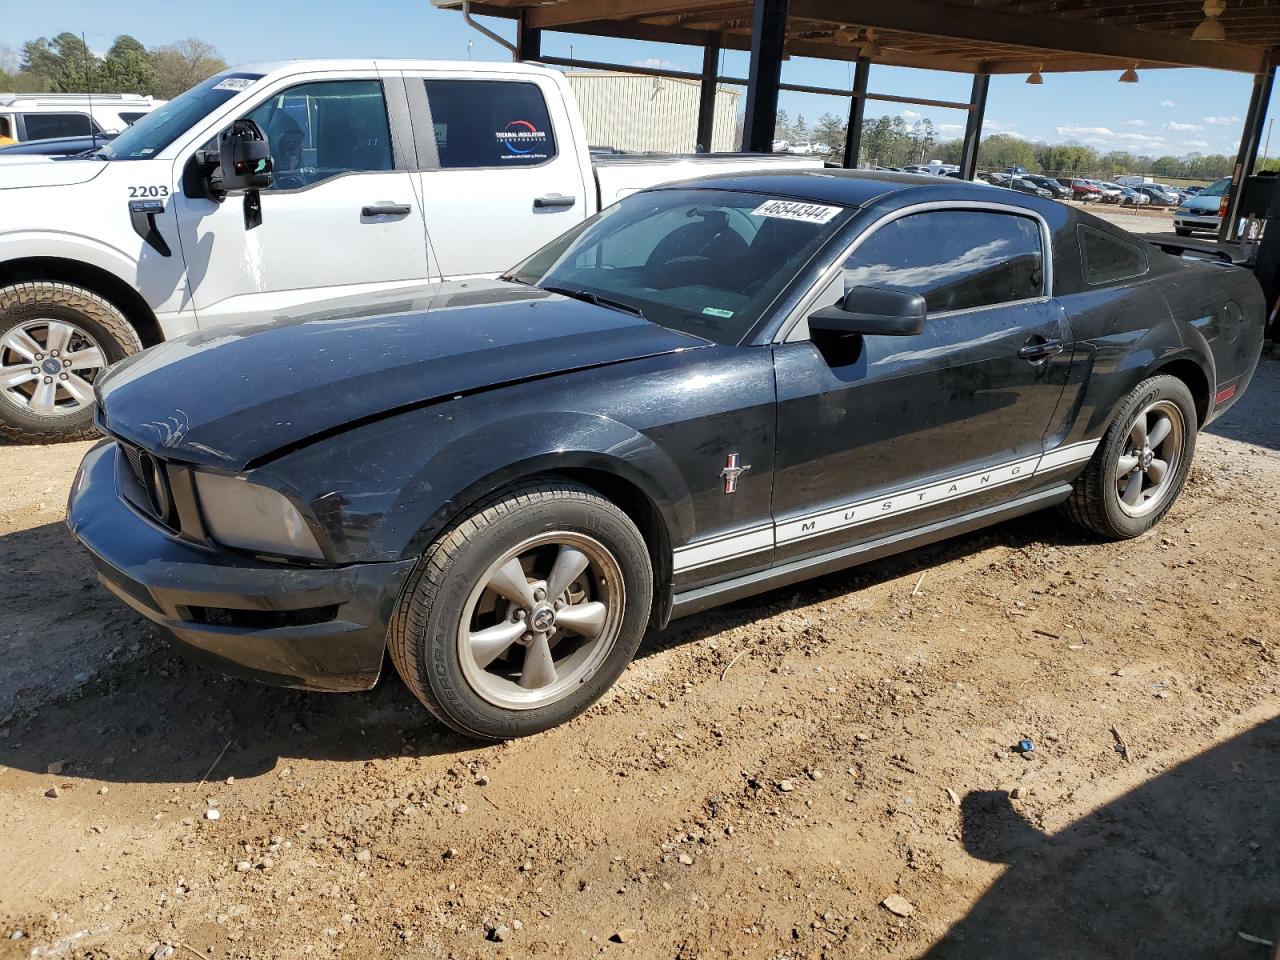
[{"x": 383, "y": 174}]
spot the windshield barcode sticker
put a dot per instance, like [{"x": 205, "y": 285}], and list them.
[
  {"x": 796, "y": 210},
  {"x": 234, "y": 83}
]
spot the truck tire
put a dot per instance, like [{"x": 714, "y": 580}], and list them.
[
  {"x": 1142, "y": 463},
  {"x": 522, "y": 615},
  {"x": 55, "y": 340}
]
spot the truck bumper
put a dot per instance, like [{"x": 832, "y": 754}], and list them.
[{"x": 318, "y": 628}]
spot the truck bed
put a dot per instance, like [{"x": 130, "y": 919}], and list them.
[{"x": 624, "y": 174}]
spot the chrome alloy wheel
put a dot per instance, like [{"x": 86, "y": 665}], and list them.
[
  {"x": 541, "y": 620},
  {"x": 47, "y": 366},
  {"x": 1146, "y": 470}
]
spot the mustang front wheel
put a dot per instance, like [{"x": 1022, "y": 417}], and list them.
[
  {"x": 523, "y": 614},
  {"x": 1141, "y": 464}
]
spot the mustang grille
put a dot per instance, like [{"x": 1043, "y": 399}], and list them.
[{"x": 153, "y": 484}]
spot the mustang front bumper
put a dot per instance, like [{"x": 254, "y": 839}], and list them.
[{"x": 321, "y": 628}]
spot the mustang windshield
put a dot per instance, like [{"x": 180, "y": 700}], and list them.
[
  {"x": 162, "y": 126},
  {"x": 705, "y": 262}
]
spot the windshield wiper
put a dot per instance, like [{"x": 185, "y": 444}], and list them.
[{"x": 594, "y": 298}]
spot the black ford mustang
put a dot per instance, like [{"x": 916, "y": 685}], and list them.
[{"x": 708, "y": 390}]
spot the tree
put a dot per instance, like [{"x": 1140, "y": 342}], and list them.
[
  {"x": 180, "y": 66},
  {"x": 831, "y": 131},
  {"x": 127, "y": 67},
  {"x": 65, "y": 62},
  {"x": 1001, "y": 151}
]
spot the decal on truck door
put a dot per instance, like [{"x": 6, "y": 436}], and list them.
[{"x": 523, "y": 141}]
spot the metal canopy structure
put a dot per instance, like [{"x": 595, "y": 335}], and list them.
[{"x": 978, "y": 37}]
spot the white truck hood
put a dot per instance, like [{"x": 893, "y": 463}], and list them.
[{"x": 44, "y": 172}]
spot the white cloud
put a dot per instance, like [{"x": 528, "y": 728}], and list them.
[
  {"x": 1183, "y": 127},
  {"x": 656, "y": 63},
  {"x": 1198, "y": 144},
  {"x": 1221, "y": 121},
  {"x": 911, "y": 115},
  {"x": 950, "y": 129},
  {"x": 1112, "y": 139},
  {"x": 1133, "y": 123},
  {"x": 1167, "y": 103}
]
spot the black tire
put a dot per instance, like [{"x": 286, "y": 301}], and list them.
[
  {"x": 423, "y": 639},
  {"x": 25, "y": 303},
  {"x": 1094, "y": 503},
  {"x": 1182, "y": 231}
]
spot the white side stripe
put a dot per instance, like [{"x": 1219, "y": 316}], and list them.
[{"x": 763, "y": 537}]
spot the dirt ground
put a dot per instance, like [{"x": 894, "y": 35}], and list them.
[{"x": 763, "y": 779}]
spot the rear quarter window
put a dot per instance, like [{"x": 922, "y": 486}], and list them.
[
  {"x": 490, "y": 123},
  {"x": 1105, "y": 258}
]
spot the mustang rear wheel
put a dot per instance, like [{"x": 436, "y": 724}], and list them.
[
  {"x": 522, "y": 615},
  {"x": 55, "y": 340},
  {"x": 1141, "y": 464}
]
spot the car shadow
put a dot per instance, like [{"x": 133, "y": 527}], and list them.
[
  {"x": 1253, "y": 419},
  {"x": 1178, "y": 867},
  {"x": 154, "y": 716}
]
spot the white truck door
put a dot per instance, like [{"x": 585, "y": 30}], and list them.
[
  {"x": 502, "y": 173},
  {"x": 342, "y": 216}
]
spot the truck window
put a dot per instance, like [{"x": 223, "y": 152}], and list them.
[
  {"x": 130, "y": 117},
  {"x": 44, "y": 126},
  {"x": 490, "y": 123},
  {"x": 321, "y": 130}
]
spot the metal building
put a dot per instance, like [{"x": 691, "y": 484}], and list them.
[{"x": 628, "y": 111}]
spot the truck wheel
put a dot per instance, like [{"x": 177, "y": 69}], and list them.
[
  {"x": 523, "y": 614},
  {"x": 55, "y": 340},
  {"x": 1141, "y": 464}
]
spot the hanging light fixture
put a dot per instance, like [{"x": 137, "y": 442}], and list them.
[
  {"x": 1034, "y": 77},
  {"x": 870, "y": 47},
  {"x": 1211, "y": 27},
  {"x": 1130, "y": 75}
]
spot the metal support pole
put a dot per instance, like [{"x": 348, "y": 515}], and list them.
[
  {"x": 857, "y": 108},
  {"x": 528, "y": 39},
  {"x": 1258, "y": 103},
  {"x": 707, "y": 94},
  {"x": 973, "y": 126},
  {"x": 768, "y": 35}
]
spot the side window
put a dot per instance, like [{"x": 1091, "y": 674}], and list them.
[
  {"x": 957, "y": 259},
  {"x": 1105, "y": 258},
  {"x": 44, "y": 126},
  {"x": 490, "y": 123},
  {"x": 321, "y": 130},
  {"x": 130, "y": 117}
]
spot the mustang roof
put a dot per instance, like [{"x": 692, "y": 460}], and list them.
[{"x": 849, "y": 188}]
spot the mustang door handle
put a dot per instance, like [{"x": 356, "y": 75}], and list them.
[
  {"x": 1038, "y": 348},
  {"x": 554, "y": 200},
  {"x": 386, "y": 210}
]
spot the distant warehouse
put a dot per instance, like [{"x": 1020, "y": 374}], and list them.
[{"x": 629, "y": 111}]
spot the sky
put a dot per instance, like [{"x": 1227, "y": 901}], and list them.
[{"x": 1168, "y": 112}]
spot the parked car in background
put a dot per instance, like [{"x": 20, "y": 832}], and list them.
[
  {"x": 503, "y": 486},
  {"x": 44, "y": 116},
  {"x": 810, "y": 148},
  {"x": 1111, "y": 192},
  {"x": 1129, "y": 197},
  {"x": 1201, "y": 213},
  {"x": 171, "y": 228},
  {"x": 1191, "y": 191},
  {"x": 1058, "y": 191},
  {"x": 56, "y": 147},
  {"x": 934, "y": 168},
  {"x": 781, "y": 146},
  {"x": 1159, "y": 196},
  {"x": 1023, "y": 185},
  {"x": 1082, "y": 190}
]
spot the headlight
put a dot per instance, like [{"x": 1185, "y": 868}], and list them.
[{"x": 241, "y": 514}]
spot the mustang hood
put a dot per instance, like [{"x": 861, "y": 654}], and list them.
[
  {"x": 29, "y": 171},
  {"x": 232, "y": 395}
]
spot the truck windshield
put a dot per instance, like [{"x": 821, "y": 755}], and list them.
[
  {"x": 162, "y": 126},
  {"x": 705, "y": 262}
]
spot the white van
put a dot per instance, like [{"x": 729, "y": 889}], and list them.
[{"x": 43, "y": 116}]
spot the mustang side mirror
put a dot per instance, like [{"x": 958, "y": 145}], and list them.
[
  {"x": 244, "y": 161},
  {"x": 871, "y": 310}
]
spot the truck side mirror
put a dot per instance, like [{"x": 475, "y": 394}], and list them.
[{"x": 245, "y": 157}]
